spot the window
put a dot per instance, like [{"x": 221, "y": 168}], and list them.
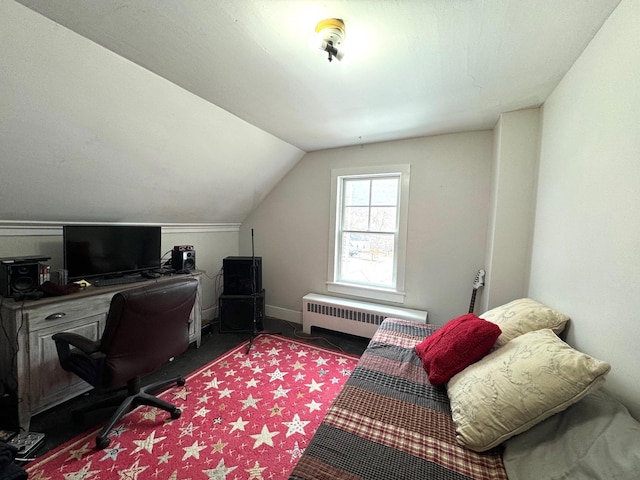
[{"x": 368, "y": 234}]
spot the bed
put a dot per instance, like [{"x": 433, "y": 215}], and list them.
[
  {"x": 389, "y": 422},
  {"x": 498, "y": 416}
]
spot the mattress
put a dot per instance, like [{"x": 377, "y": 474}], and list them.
[{"x": 389, "y": 422}]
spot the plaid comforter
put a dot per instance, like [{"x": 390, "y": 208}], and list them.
[{"x": 389, "y": 422}]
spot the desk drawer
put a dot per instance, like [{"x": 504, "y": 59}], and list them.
[{"x": 61, "y": 312}]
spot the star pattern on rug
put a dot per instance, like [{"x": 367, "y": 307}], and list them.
[
  {"x": 264, "y": 437},
  {"x": 133, "y": 472},
  {"x": 277, "y": 375},
  {"x": 313, "y": 406},
  {"x": 250, "y": 402},
  {"x": 82, "y": 474},
  {"x": 112, "y": 452},
  {"x": 280, "y": 392},
  {"x": 80, "y": 452},
  {"x": 148, "y": 443},
  {"x": 244, "y": 416},
  {"x": 239, "y": 424},
  {"x": 276, "y": 410},
  {"x": 218, "y": 447},
  {"x": 296, "y": 452},
  {"x": 314, "y": 386},
  {"x": 180, "y": 394},
  {"x": 220, "y": 472},
  {"x": 193, "y": 450},
  {"x": 255, "y": 472},
  {"x": 295, "y": 425},
  {"x": 188, "y": 429}
]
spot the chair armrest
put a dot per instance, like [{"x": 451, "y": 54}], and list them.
[
  {"x": 85, "y": 360},
  {"x": 81, "y": 343}
]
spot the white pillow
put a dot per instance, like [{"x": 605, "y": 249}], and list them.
[
  {"x": 517, "y": 386},
  {"x": 524, "y": 315}
]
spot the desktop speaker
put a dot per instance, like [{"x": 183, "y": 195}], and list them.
[
  {"x": 237, "y": 275},
  {"x": 18, "y": 278},
  {"x": 236, "y": 313},
  {"x": 183, "y": 259}
]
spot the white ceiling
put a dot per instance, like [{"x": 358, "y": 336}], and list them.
[{"x": 412, "y": 67}]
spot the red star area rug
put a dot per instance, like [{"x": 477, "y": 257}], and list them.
[{"x": 244, "y": 416}]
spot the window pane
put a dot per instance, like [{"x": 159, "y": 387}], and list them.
[
  {"x": 367, "y": 258},
  {"x": 384, "y": 191},
  {"x": 383, "y": 219},
  {"x": 368, "y": 214},
  {"x": 356, "y": 192},
  {"x": 356, "y": 218}
]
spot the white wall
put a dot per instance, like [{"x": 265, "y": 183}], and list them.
[
  {"x": 86, "y": 135},
  {"x": 448, "y": 212},
  {"x": 514, "y": 171},
  {"x": 586, "y": 247}
]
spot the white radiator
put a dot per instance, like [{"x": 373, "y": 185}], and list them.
[{"x": 351, "y": 316}]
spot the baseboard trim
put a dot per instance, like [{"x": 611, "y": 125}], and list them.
[{"x": 284, "y": 314}]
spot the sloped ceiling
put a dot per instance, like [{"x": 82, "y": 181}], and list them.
[
  {"x": 193, "y": 110},
  {"x": 411, "y": 68}
]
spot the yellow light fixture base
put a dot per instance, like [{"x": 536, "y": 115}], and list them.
[
  {"x": 331, "y": 30},
  {"x": 329, "y": 35}
]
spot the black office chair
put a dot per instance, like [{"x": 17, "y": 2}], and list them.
[{"x": 145, "y": 328}]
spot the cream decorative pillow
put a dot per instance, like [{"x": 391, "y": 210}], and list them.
[
  {"x": 517, "y": 386},
  {"x": 522, "y": 316}
]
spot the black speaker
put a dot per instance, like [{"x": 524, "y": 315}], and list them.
[
  {"x": 183, "y": 259},
  {"x": 18, "y": 278},
  {"x": 236, "y": 313},
  {"x": 237, "y": 278}
]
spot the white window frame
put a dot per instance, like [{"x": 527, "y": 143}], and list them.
[{"x": 394, "y": 295}]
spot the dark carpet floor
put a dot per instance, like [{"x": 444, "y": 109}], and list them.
[{"x": 59, "y": 425}]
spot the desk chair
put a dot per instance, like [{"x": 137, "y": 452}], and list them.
[{"x": 145, "y": 328}]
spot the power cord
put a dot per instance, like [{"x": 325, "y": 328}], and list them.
[{"x": 305, "y": 336}]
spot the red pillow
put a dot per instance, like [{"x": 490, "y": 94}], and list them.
[{"x": 461, "y": 342}]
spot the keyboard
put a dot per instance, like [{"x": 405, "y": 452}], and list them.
[{"x": 104, "y": 282}]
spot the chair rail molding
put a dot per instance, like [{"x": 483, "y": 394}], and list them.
[{"x": 35, "y": 228}]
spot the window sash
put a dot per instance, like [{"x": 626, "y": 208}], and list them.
[
  {"x": 376, "y": 239},
  {"x": 354, "y": 214}
]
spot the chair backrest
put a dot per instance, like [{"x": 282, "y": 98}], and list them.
[{"x": 145, "y": 327}]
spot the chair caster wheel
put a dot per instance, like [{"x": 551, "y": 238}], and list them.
[
  {"x": 102, "y": 442},
  {"x": 181, "y": 381},
  {"x": 176, "y": 413}
]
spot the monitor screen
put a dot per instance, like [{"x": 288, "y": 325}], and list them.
[{"x": 104, "y": 250}]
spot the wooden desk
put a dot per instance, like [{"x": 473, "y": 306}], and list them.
[{"x": 28, "y": 355}]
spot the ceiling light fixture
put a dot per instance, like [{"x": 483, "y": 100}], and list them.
[{"x": 329, "y": 36}]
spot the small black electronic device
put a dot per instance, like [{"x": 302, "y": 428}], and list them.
[
  {"x": 183, "y": 260},
  {"x": 20, "y": 275}
]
